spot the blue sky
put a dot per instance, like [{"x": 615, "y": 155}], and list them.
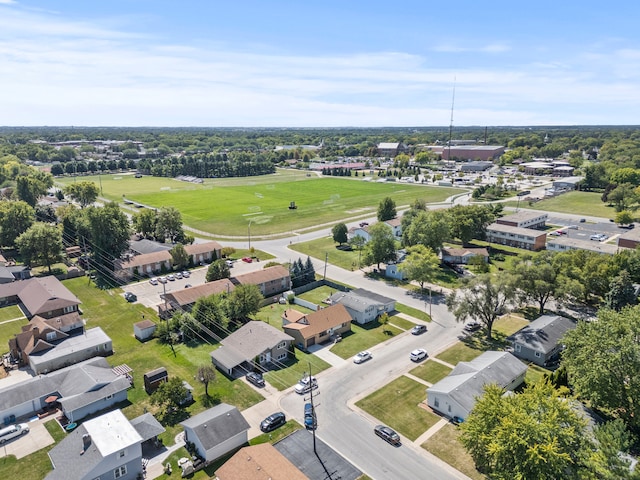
[{"x": 318, "y": 64}]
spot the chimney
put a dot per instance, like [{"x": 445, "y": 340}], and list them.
[{"x": 86, "y": 443}]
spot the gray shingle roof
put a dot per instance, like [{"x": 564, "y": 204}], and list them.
[
  {"x": 467, "y": 380},
  {"x": 217, "y": 424},
  {"x": 248, "y": 342},
  {"x": 147, "y": 426},
  {"x": 92, "y": 337},
  {"x": 544, "y": 333}
]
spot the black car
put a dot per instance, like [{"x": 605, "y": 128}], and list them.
[
  {"x": 387, "y": 434},
  {"x": 255, "y": 378},
  {"x": 273, "y": 421},
  {"x": 418, "y": 329},
  {"x": 130, "y": 297},
  {"x": 472, "y": 326}
]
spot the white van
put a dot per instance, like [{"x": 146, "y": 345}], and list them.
[{"x": 13, "y": 431}]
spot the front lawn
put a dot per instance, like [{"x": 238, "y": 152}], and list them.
[
  {"x": 397, "y": 405},
  {"x": 325, "y": 247},
  {"x": 431, "y": 371},
  {"x": 363, "y": 337},
  {"x": 400, "y": 322},
  {"x": 11, "y": 312},
  {"x": 535, "y": 374},
  {"x": 318, "y": 295},
  {"x": 460, "y": 352},
  {"x": 295, "y": 370},
  {"x": 413, "y": 312},
  {"x": 8, "y": 330},
  {"x": 278, "y": 434},
  {"x": 445, "y": 444}
]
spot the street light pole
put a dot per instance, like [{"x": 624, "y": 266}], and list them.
[{"x": 249, "y": 235}]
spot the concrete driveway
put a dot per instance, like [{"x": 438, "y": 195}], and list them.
[{"x": 37, "y": 438}]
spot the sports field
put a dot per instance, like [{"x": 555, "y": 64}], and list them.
[{"x": 228, "y": 206}]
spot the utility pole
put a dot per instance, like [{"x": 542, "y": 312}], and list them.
[
  {"x": 313, "y": 413},
  {"x": 326, "y": 259}
]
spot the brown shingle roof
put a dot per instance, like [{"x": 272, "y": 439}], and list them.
[
  {"x": 259, "y": 462},
  {"x": 322, "y": 320},
  {"x": 196, "y": 248},
  {"x": 262, "y": 276},
  {"x": 144, "y": 259},
  {"x": 188, "y": 296},
  {"x": 40, "y": 295}
]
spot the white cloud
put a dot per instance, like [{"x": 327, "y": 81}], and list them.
[{"x": 59, "y": 72}]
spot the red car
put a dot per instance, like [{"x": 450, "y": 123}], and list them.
[{"x": 247, "y": 259}]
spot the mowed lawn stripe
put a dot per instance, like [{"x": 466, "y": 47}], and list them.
[{"x": 226, "y": 208}]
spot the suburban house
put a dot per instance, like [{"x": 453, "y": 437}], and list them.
[
  {"x": 363, "y": 306},
  {"x": 44, "y": 345},
  {"x": 630, "y": 238},
  {"x": 359, "y": 231},
  {"x": 43, "y": 296},
  {"x": 149, "y": 428},
  {"x": 317, "y": 327},
  {"x": 81, "y": 390},
  {"x": 525, "y": 219},
  {"x": 461, "y": 256},
  {"x": 455, "y": 395},
  {"x": 105, "y": 447},
  {"x": 254, "y": 344},
  {"x": 144, "y": 330},
  {"x": 200, "y": 253},
  {"x": 185, "y": 299},
  {"x": 216, "y": 432},
  {"x": 564, "y": 244},
  {"x": 541, "y": 340},
  {"x": 395, "y": 224},
  {"x": 259, "y": 462},
  {"x": 270, "y": 281},
  {"x": 526, "y": 238}
]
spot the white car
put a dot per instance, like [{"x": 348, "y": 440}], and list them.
[
  {"x": 418, "y": 354},
  {"x": 178, "y": 275},
  {"x": 171, "y": 278},
  {"x": 305, "y": 385},
  {"x": 186, "y": 274},
  {"x": 362, "y": 357},
  {"x": 162, "y": 279},
  {"x": 153, "y": 281}
]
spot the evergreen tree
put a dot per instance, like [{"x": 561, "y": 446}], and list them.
[{"x": 309, "y": 271}]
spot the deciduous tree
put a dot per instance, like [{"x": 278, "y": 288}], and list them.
[
  {"x": 179, "y": 256},
  {"x": 244, "y": 301},
  {"x": 15, "y": 218},
  {"x": 85, "y": 193},
  {"x": 217, "y": 271},
  {"x": 144, "y": 222},
  {"x": 339, "y": 232},
  {"x": 41, "y": 244},
  {"x": 421, "y": 265},
  {"x": 382, "y": 245},
  {"x": 483, "y": 298},
  {"x": 110, "y": 231},
  {"x": 603, "y": 363},
  {"x": 169, "y": 224},
  {"x": 386, "y": 209},
  {"x": 206, "y": 374},
  {"x": 169, "y": 395}
]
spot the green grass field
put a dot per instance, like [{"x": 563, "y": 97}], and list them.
[
  {"x": 363, "y": 337},
  {"x": 431, "y": 371},
  {"x": 445, "y": 444},
  {"x": 578, "y": 203},
  {"x": 263, "y": 201},
  {"x": 396, "y": 404}
]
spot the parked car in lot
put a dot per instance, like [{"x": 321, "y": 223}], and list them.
[
  {"x": 387, "y": 434},
  {"x": 362, "y": 357},
  {"x": 178, "y": 275},
  {"x": 273, "y": 421},
  {"x": 310, "y": 421},
  {"x": 229, "y": 263},
  {"x": 153, "y": 281},
  {"x": 247, "y": 259},
  {"x": 418, "y": 329},
  {"x": 162, "y": 279},
  {"x": 472, "y": 326},
  {"x": 418, "y": 354},
  {"x": 306, "y": 384},
  {"x": 130, "y": 297},
  {"x": 186, "y": 274},
  {"x": 255, "y": 378},
  {"x": 171, "y": 278}
]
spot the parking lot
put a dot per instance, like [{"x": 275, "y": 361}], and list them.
[
  {"x": 151, "y": 295},
  {"x": 584, "y": 231}
]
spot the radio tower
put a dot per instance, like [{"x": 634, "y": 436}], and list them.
[{"x": 453, "y": 99}]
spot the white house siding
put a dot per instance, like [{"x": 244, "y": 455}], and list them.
[{"x": 441, "y": 402}]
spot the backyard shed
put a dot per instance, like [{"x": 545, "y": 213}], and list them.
[
  {"x": 144, "y": 330},
  {"x": 154, "y": 378}
]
